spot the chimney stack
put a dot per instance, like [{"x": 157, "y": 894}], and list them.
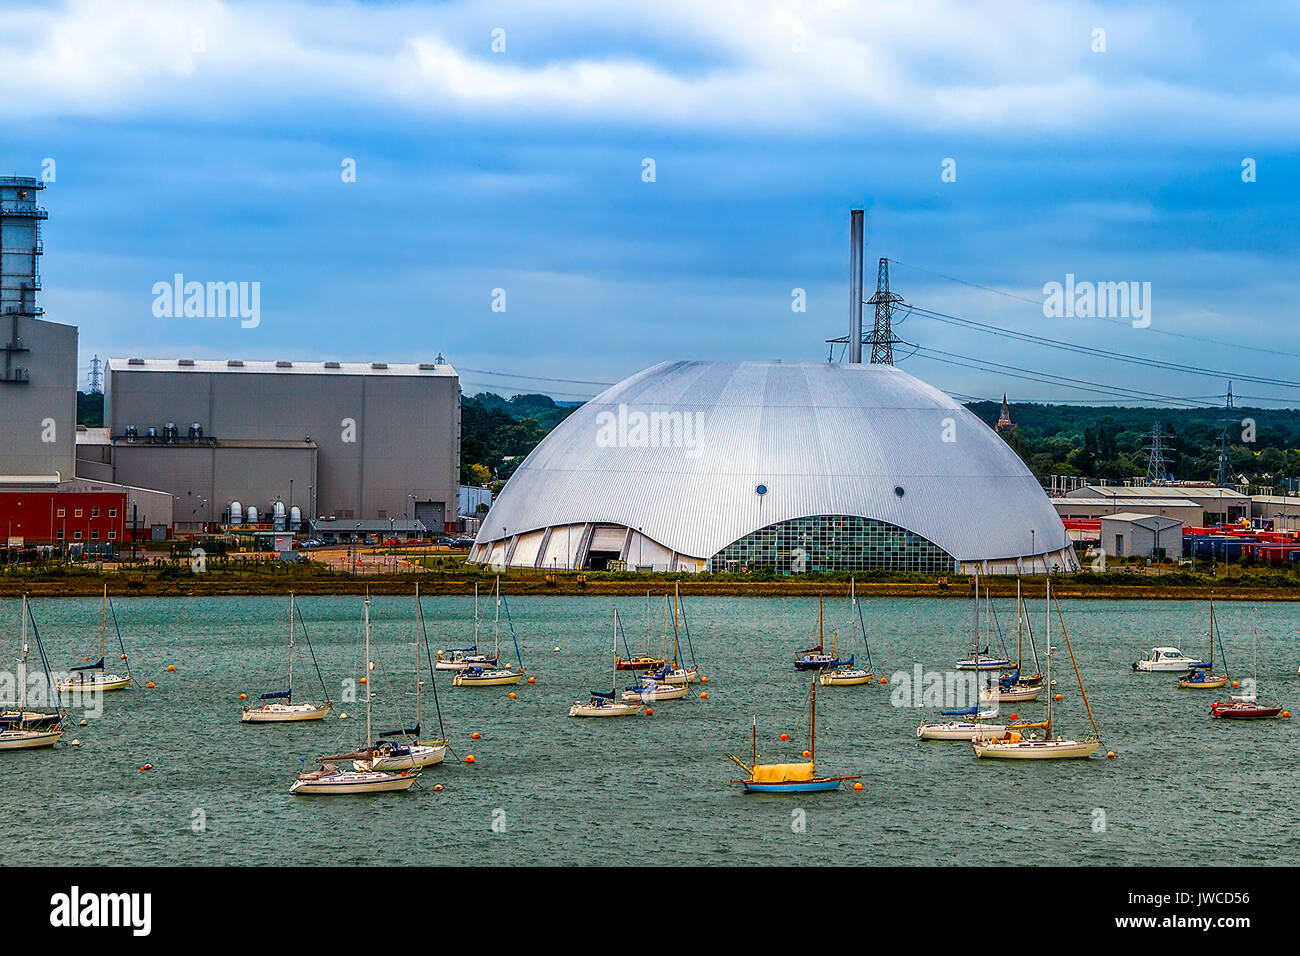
[{"x": 855, "y": 287}]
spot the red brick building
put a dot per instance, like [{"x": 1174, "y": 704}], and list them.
[{"x": 48, "y": 516}]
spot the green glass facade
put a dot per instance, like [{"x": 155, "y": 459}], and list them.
[{"x": 833, "y": 543}]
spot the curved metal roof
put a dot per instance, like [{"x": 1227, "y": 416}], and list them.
[{"x": 822, "y": 439}]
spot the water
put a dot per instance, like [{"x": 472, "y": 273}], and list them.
[{"x": 647, "y": 790}]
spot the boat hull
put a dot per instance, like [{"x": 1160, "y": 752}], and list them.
[
  {"x": 837, "y": 678},
  {"x": 1212, "y": 684},
  {"x": 1035, "y": 749},
  {"x": 662, "y": 692},
  {"x": 958, "y": 730},
  {"x": 28, "y": 739},
  {"x": 605, "y": 710},
  {"x": 349, "y": 783},
  {"x": 488, "y": 679},
  {"x": 996, "y": 664},
  {"x": 1016, "y": 695},
  {"x": 795, "y": 786},
  {"x": 283, "y": 713},
  {"x": 97, "y": 684},
  {"x": 1245, "y": 713}
]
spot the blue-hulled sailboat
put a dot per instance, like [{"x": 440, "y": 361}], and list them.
[{"x": 816, "y": 658}]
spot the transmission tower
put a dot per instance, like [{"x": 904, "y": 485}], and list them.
[
  {"x": 1156, "y": 455},
  {"x": 1225, "y": 459},
  {"x": 96, "y": 376},
  {"x": 882, "y": 336}
]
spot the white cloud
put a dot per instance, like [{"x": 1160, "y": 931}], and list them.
[{"x": 730, "y": 65}]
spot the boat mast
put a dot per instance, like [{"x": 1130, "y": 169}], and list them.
[
  {"x": 103, "y": 630},
  {"x": 476, "y": 618},
  {"x": 754, "y": 736},
  {"x": 1020, "y": 628},
  {"x": 1211, "y": 633},
  {"x": 1050, "y": 695},
  {"x": 821, "y": 627},
  {"x": 614, "y": 686},
  {"x": 367, "y": 672},
  {"x": 291, "y": 647},
  {"x": 418, "y": 684},
  {"x": 22, "y": 669},
  {"x": 496, "y": 624},
  {"x": 812, "y": 729}
]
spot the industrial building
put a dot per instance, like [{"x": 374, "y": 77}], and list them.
[
  {"x": 1215, "y": 505},
  {"x": 1133, "y": 535},
  {"x": 240, "y": 442}
]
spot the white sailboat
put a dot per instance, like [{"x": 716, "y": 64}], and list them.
[
  {"x": 461, "y": 658},
  {"x": 29, "y": 731},
  {"x": 403, "y": 749},
  {"x": 849, "y": 674},
  {"x": 83, "y": 677},
  {"x": 329, "y": 780},
  {"x": 1015, "y": 688},
  {"x": 1011, "y": 745},
  {"x": 983, "y": 661},
  {"x": 494, "y": 675},
  {"x": 603, "y": 704},
  {"x": 675, "y": 672},
  {"x": 973, "y": 721},
  {"x": 281, "y": 708}
]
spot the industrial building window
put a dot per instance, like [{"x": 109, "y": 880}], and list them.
[
  {"x": 94, "y": 534},
  {"x": 112, "y": 535},
  {"x": 112, "y": 512},
  {"x": 834, "y": 543},
  {"x": 77, "y": 513},
  {"x": 77, "y": 534},
  {"x": 61, "y": 512},
  {"x": 60, "y": 534},
  {"x": 94, "y": 512}
]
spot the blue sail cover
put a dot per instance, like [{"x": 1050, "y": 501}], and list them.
[
  {"x": 607, "y": 694},
  {"x": 968, "y": 712},
  {"x": 276, "y": 695}
]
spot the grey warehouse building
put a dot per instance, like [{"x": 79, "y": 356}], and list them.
[{"x": 347, "y": 441}]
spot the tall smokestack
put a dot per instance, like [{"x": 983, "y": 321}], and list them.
[{"x": 855, "y": 287}]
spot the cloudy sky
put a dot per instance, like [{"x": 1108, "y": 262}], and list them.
[{"x": 504, "y": 146}]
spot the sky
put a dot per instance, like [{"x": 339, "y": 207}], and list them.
[{"x": 503, "y": 154}]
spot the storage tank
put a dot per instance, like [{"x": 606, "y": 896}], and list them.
[
  {"x": 277, "y": 516},
  {"x": 251, "y": 515},
  {"x": 236, "y": 514}
]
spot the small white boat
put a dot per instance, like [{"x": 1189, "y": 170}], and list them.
[
  {"x": 282, "y": 709},
  {"x": 29, "y": 731},
  {"x": 650, "y": 690},
  {"x": 606, "y": 703},
  {"x": 1012, "y": 694},
  {"x": 460, "y": 658},
  {"x": 396, "y": 756},
  {"x": 1166, "y": 659},
  {"x": 966, "y": 730},
  {"x": 844, "y": 677},
  {"x": 329, "y": 780},
  {"x": 82, "y": 680},
  {"x": 677, "y": 676},
  {"x": 495, "y": 675}
]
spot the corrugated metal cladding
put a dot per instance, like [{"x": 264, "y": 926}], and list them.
[{"x": 822, "y": 439}]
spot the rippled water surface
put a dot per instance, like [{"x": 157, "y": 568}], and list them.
[{"x": 647, "y": 790}]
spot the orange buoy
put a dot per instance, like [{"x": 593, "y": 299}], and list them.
[
  {"x": 704, "y": 695},
  {"x": 1286, "y": 713},
  {"x": 1015, "y": 716},
  {"x": 363, "y": 680},
  {"x": 785, "y": 736},
  {"x": 807, "y": 754},
  {"x": 512, "y": 695},
  {"x": 243, "y": 697},
  {"x": 171, "y": 667},
  {"x": 649, "y": 711},
  {"x": 150, "y": 684},
  {"x": 437, "y": 787},
  {"x": 532, "y": 680},
  {"x": 475, "y": 735},
  {"x": 704, "y": 680},
  {"x": 884, "y": 680},
  {"x": 1058, "y": 697},
  {"x": 1110, "y": 755},
  {"x": 147, "y": 766},
  {"x": 469, "y": 758},
  {"x": 857, "y": 786},
  {"x": 1235, "y": 684}
]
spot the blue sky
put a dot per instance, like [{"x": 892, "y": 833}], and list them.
[{"x": 218, "y": 153}]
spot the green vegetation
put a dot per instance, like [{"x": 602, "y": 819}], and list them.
[
  {"x": 496, "y": 434},
  {"x": 1112, "y": 443},
  {"x": 90, "y": 409}
]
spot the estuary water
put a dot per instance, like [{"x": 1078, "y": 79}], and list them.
[{"x": 548, "y": 789}]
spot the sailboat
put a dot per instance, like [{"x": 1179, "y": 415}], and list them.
[
  {"x": 1013, "y": 746},
  {"x": 460, "y": 658},
  {"x": 787, "y": 777},
  {"x": 329, "y": 780},
  {"x": 403, "y": 749},
  {"x": 83, "y": 677},
  {"x": 281, "y": 708},
  {"x": 984, "y": 661},
  {"x": 1246, "y": 706},
  {"x": 1015, "y": 687},
  {"x": 494, "y": 675},
  {"x": 674, "y": 671},
  {"x": 816, "y": 658},
  {"x": 607, "y": 704},
  {"x": 1202, "y": 676},
  {"x": 847, "y": 674},
  {"x": 650, "y": 687},
  {"x": 30, "y": 731},
  {"x": 970, "y": 722}
]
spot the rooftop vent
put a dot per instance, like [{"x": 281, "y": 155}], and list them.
[
  {"x": 379, "y": 365},
  {"x": 185, "y": 361},
  {"x": 427, "y": 366},
  {"x": 235, "y": 363},
  {"x": 284, "y": 365},
  {"x": 135, "y": 361},
  {"x": 331, "y": 364}
]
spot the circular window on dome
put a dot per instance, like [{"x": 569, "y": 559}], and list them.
[
  {"x": 761, "y": 489},
  {"x": 898, "y": 490}
]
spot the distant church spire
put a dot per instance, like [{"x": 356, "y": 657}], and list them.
[{"x": 1004, "y": 416}]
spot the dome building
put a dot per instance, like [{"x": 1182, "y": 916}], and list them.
[{"x": 722, "y": 466}]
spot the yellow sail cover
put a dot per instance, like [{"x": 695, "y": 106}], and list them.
[{"x": 782, "y": 772}]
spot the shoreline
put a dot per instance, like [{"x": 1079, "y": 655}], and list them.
[{"x": 433, "y": 584}]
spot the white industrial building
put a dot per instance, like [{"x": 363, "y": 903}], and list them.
[{"x": 1133, "y": 535}]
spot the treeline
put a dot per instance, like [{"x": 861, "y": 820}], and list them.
[
  {"x": 1113, "y": 443},
  {"x": 496, "y": 433}
]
